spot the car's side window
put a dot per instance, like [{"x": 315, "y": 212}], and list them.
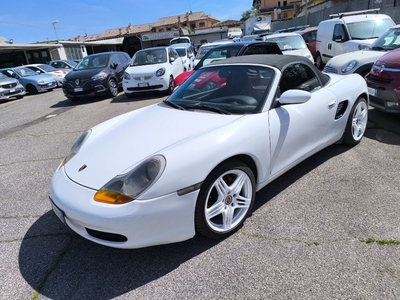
[
  {"x": 339, "y": 33},
  {"x": 299, "y": 76},
  {"x": 115, "y": 59}
]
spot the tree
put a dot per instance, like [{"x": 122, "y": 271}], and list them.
[{"x": 249, "y": 13}]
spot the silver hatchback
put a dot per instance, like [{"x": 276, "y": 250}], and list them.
[{"x": 10, "y": 88}]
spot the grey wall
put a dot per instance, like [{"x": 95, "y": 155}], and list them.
[{"x": 322, "y": 11}]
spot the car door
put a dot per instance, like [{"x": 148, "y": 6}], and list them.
[
  {"x": 117, "y": 67},
  {"x": 176, "y": 64},
  {"x": 299, "y": 130}
]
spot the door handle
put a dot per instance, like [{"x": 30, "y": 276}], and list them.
[{"x": 332, "y": 104}]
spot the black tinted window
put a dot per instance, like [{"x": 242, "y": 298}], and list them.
[{"x": 300, "y": 77}]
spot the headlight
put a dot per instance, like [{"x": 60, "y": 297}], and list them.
[
  {"x": 125, "y": 188},
  {"x": 127, "y": 76},
  {"x": 99, "y": 76},
  {"x": 349, "y": 66},
  {"x": 40, "y": 81},
  {"x": 160, "y": 72},
  {"x": 76, "y": 147}
]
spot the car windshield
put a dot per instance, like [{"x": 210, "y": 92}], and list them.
[
  {"x": 388, "y": 41},
  {"x": 93, "y": 62},
  {"x": 224, "y": 89},
  {"x": 181, "y": 52},
  {"x": 369, "y": 29},
  {"x": 203, "y": 50},
  {"x": 71, "y": 62},
  {"x": 47, "y": 68},
  {"x": 149, "y": 57},
  {"x": 289, "y": 42},
  {"x": 25, "y": 72},
  {"x": 219, "y": 53}
]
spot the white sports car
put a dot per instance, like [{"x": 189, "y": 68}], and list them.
[{"x": 193, "y": 163}]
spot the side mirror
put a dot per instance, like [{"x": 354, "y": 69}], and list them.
[
  {"x": 114, "y": 66},
  {"x": 294, "y": 97},
  {"x": 171, "y": 59}
]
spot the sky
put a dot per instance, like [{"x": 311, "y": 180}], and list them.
[{"x": 26, "y": 21}]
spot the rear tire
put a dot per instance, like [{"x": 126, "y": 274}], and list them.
[{"x": 356, "y": 123}]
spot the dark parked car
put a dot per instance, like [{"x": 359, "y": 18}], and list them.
[
  {"x": 230, "y": 50},
  {"x": 384, "y": 83},
  {"x": 95, "y": 75}
]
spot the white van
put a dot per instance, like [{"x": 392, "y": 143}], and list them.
[{"x": 347, "y": 32}]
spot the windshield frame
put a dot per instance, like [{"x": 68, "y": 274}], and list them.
[{"x": 238, "y": 89}]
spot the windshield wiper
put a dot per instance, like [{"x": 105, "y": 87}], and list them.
[
  {"x": 379, "y": 48},
  {"x": 209, "y": 108},
  {"x": 174, "y": 105}
]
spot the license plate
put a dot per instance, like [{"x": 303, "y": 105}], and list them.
[
  {"x": 143, "y": 84},
  {"x": 78, "y": 89},
  {"x": 372, "y": 92},
  {"x": 12, "y": 90},
  {"x": 58, "y": 212}
]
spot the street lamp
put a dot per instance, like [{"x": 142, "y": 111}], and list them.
[{"x": 54, "y": 26}]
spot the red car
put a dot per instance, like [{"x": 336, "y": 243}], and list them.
[
  {"x": 310, "y": 37},
  {"x": 229, "y": 50},
  {"x": 384, "y": 83}
]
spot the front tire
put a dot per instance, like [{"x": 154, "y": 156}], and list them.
[
  {"x": 225, "y": 200},
  {"x": 112, "y": 88},
  {"x": 31, "y": 89},
  {"x": 319, "y": 63},
  {"x": 356, "y": 123}
]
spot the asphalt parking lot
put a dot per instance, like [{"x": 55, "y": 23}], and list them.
[{"x": 327, "y": 229}]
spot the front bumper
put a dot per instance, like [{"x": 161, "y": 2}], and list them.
[
  {"x": 154, "y": 84},
  {"x": 6, "y": 94},
  {"x": 46, "y": 86},
  {"x": 87, "y": 90},
  {"x": 383, "y": 98},
  {"x": 140, "y": 223}
]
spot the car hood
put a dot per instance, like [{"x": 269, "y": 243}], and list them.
[
  {"x": 145, "y": 69},
  {"x": 390, "y": 59},
  {"x": 78, "y": 74},
  {"x": 115, "y": 146},
  {"x": 7, "y": 81},
  {"x": 362, "y": 56},
  {"x": 35, "y": 78}
]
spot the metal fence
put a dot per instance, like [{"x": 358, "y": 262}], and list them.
[{"x": 322, "y": 11}]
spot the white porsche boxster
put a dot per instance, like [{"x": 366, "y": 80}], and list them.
[{"x": 193, "y": 163}]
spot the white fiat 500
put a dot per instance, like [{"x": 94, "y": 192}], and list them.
[
  {"x": 152, "y": 69},
  {"x": 193, "y": 163}
]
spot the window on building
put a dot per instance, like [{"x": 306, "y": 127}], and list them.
[
  {"x": 202, "y": 24},
  {"x": 284, "y": 3}
]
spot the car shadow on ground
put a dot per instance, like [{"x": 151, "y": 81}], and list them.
[
  {"x": 122, "y": 98},
  {"x": 383, "y": 127},
  {"x": 60, "y": 264}
]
